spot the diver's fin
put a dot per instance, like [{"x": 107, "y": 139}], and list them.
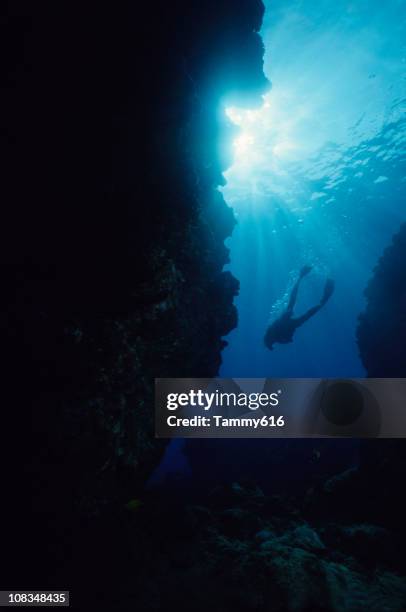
[{"x": 328, "y": 290}]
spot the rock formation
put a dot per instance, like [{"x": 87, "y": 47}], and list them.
[
  {"x": 382, "y": 326},
  {"x": 116, "y": 141},
  {"x": 118, "y": 147}
]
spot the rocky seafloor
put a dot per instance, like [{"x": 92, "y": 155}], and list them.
[{"x": 241, "y": 550}]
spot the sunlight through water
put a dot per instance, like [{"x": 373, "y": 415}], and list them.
[{"x": 318, "y": 178}]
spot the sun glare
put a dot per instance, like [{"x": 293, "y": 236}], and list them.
[
  {"x": 244, "y": 143},
  {"x": 265, "y": 135},
  {"x": 269, "y": 142}
]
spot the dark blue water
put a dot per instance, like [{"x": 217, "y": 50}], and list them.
[{"x": 318, "y": 178}]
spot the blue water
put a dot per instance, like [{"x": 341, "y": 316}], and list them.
[{"x": 318, "y": 178}]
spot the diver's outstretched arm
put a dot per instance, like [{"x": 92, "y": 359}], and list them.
[{"x": 293, "y": 296}]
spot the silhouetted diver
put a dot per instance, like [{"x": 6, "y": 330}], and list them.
[{"x": 282, "y": 330}]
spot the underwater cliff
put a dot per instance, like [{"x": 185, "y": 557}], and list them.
[
  {"x": 115, "y": 233},
  {"x": 372, "y": 489},
  {"x": 382, "y": 326},
  {"x": 381, "y": 338}
]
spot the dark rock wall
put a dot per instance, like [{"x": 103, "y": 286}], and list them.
[
  {"x": 372, "y": 489},
  {"x": 376, "y": 488},
  {"x": 382, "y": 326},
  {"x": 114, "y": 226}
]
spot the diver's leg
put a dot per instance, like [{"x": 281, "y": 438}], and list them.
[
  {"x": 293, "y": 296},
  {"x": 308, "y": 315},
  {"x": 328, "y": 292}
]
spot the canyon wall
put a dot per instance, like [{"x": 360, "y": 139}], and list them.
[
  {"x": 381, "y": 338},
  {"x": 116, "y": 141},
  {"x": 382, "y": 326}
]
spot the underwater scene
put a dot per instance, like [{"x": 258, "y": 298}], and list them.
[
  {"x": 200, "y": 190},
  {"x": 318, "y": 179},
  {"x": 317, "y": 184}
]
